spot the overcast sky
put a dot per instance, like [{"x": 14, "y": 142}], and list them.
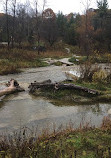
[{"x": 66, "y": 6}]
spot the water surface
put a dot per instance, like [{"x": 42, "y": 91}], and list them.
[{"x": 23, "y": 109}]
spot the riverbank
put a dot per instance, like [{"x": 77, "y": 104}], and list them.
[
  {"x": 13, "y": 60},
  {"x": 84, "y": 142},
  {"x": 77, "y": 96}
]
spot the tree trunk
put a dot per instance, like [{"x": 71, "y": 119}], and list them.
[
  {"x": 13, "y": 87},
  {"x": 47, "y": 84}
]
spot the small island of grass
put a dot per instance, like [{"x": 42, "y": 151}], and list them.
[{"x": 93, "y": 85}]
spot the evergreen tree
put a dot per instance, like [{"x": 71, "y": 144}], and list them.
[{"x": 61, "y": 23}]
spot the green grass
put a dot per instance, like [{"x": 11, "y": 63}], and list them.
[
  {"x": 13, "y": 60},
  {"x": 65, "y": 97},
  {"x": 62, "y": 97},
  {"x": 7, "y": 67},
  {"x": 78, "y": 60},
  {"x": 101, "y": 58},
  {"x": 58, "y": 63},
  {"x": 14, "y": 66},
  {"x": 93, "y": 58},
  {"x": 96, "y": 86},
  {"x": 84, "y": 142}
]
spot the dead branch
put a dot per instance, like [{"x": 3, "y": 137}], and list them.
[{"x": 12, "y": 87}]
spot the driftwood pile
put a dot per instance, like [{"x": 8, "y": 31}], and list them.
[
  {"x": 12, "y": 87},
  {"x": 48, "y": 84}
]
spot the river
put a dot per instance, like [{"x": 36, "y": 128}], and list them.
[{"x": 23, "y": 109}]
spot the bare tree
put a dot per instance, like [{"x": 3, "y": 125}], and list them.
[
  {"x": 6, "y": 8},
  {"x": 44, "y": 4},
  {"x": 49, "y": 26},
  {"x": 86, "y": 5},
  {"x": 21, "y": 23},
  {"x": 37, "y": 24},
  {"x": 13, "y": 25},
  {"x": 7, "y": 22},
  {"x": 38, "y": 21}
]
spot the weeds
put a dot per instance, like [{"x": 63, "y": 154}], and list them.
[
  {"x": 11, "y": 61},
  {"x": 83, "y": 142},
  {"x": 96, "y": 57},
  {"x": 78, "y": 60}
]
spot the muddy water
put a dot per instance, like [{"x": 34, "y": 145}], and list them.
[{"x": 22, "y": 109}]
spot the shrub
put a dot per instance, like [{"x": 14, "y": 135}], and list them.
[
  {"x": 73, "y": 60},
  {"x": 87, "y": 70},
  {"x": 99, "y": 76},
  {"x": 78, "y": 60},
  {"x": 101, "y": 57},
  {"x": 9, "y": 69},
  {"x": 58, "y": 63}
]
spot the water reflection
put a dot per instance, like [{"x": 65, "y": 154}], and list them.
[{"x": 21, "y": 109}]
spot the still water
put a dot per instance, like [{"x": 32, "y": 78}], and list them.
[{"x": 23, "y": 109}]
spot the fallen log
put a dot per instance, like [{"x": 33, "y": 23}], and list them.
[
  {"x": 36, "y": 85},
  {"x": 45, "y": 85},
  {"x": 76, "y": 87},
  {"x": 12, "y": 87}
]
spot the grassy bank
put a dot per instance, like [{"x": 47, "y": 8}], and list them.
[
  {"x": 93, "y": 58},
  {"x": 62, "y": 97},
  {"x": 11, "y": 61},
  {"x": 84, "y": 142}
]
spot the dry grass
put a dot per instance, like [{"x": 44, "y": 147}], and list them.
[
  {"x": 12, "y": 60},
  {"x": 30, "y": 55},
  {"x": 54, "y": 54},
  {"x": 84, "y": 142}
]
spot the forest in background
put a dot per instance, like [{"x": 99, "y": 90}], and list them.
[{"x": 24, "y": 27}]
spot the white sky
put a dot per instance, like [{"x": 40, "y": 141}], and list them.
[{"x": 66, "y": 6}]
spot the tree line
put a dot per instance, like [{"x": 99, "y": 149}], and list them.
[{"x": 24, "y": 26}]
